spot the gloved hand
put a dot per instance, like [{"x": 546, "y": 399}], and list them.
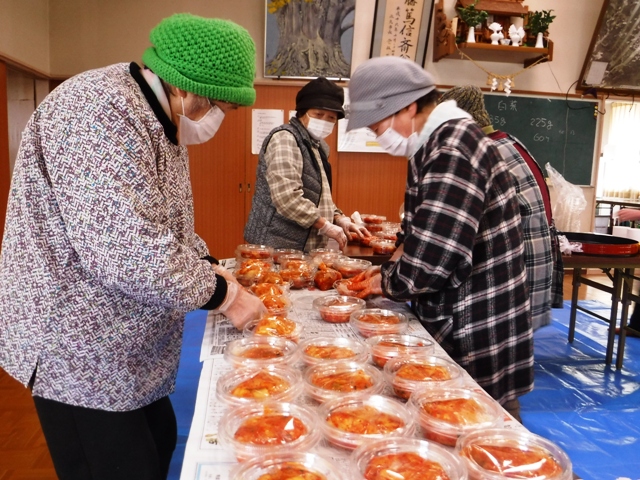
[
  {"x": 348, "y": 226},
  {"x": 334, "y": 231},
  {"x": 368, "y": 286},
  {"x": 240, "y": 307},
  {"x": 365, "y": 275},
  {"x": 223, "y": 272}
]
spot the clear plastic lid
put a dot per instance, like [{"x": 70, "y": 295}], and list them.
[
  {"x": 498, "y": 454},
  {"x": 386, "y": 235},
  {"x": 446, "y": 413},
  {"x": 261, "y": 351},
  {"x": 325, "y": 277},
  {"x": 374, "y": 227},
  {"x": 274, "y": 277},
  {"x": 248, "y": 385},
  {"x": 406, "y": 373},
  {"x": 349, "y": 421},
  {"x": 322, "y": 350},
  {"x": 268, "y": 428},
  {"x": 328, "y": 259},
  {"x": 274, "y": 326},
  {"x": 350, "y": 267},
  {"x": 297, "y": 269},
  {"x": 344, "y": 287},
  {"x": 249, "y": 250},
  {"x": 289, "y": 466},
  {"x": 403, "y": 458},
  {"x": 260, "y": 289},
  {"x": 371, "y": 218},
  {"x": 295, "y": 258},
  {"x": 276, "y": 304},
  {"x": 251, "y": 271},
  {"x": 378, "y": 321},
  {"x": 385, "y": 347},
  {"x": 366, "y": 241},
  {"x": 321, "y": 251},
  {"x": 391, "y": 226},
  {"x": 323, "y": 382},
  {"x": 285, "y": 251},
  {"x": 337, "y": 308},
  {"x": 383, "y": 246}
]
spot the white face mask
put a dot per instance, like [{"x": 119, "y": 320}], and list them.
[
  {"x": 194, "y": 132},
  {"x": 395, "y": 144},
  {"x": 319, "y": 129}
]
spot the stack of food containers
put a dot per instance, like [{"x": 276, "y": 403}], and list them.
[{"x": 356, "y": 389}]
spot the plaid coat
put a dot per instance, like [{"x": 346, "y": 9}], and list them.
[
  {"x": 537, "y": 236},
  {"x": 292, "y": 191},
  {"x": 100, "y": 261},
  {"x": 463, "y": 258}
]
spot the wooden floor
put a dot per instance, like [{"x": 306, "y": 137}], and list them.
[{"x": 23, "y": 451}]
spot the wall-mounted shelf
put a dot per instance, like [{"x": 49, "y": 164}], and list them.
[
  {"x": 505, "y": 53},
  {"x": 444, "y": 45}
]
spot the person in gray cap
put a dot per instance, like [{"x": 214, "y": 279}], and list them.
[
  {"x": 460, "y": 259},
  {"x": 292, "y": 206}
]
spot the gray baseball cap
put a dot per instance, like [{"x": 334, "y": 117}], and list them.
[{"x": 382, "y": 86}]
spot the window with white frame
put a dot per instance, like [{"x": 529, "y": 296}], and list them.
[{"x": 619, "y": 168}]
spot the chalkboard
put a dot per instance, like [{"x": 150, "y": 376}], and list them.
[{"x": 554, "y": 130}]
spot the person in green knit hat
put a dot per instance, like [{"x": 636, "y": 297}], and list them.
[{"x": 100, "y": 261}]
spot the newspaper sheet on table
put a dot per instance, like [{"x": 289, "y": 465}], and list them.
[{"x": 204, "y": 458}]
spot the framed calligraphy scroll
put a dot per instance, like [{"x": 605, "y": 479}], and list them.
[{"x": 401, "y": 29}]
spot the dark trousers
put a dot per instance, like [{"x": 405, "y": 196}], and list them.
[{"x": 88, "y": 444}]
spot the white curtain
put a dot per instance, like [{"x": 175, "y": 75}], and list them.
[{"x": 619, "y": 173}]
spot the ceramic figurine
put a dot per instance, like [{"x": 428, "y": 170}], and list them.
[
  {"x": 497, "y": 34},
  {"x": 516, "y": 35}
]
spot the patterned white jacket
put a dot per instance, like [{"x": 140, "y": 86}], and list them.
[{"x": 100, "y": 261}]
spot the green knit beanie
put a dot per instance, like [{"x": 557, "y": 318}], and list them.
[{"x": 210, "y": 57}]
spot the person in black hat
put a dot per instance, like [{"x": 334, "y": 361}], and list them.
[{"x": 292, "y": 205}]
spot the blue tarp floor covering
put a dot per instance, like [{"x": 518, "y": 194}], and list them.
[{"x": 589, "y": 409}]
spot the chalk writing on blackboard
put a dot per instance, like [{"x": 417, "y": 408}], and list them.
[{"x": 557, "y": 131}]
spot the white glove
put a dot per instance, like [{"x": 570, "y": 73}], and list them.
[
  {"x": 223, "y": 272},
  {"x": 240, "y": 307},
  {"x": 348, "y": 226},
  {"x": 334, "y": 231}
]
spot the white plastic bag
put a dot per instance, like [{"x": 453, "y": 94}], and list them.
[{"x": 569, "y": 202}]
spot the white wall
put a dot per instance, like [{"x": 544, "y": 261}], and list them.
[
  {"x": 87, "y": 34},
  {"x": 24, "y": 32}
]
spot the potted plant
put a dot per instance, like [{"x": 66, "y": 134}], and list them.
[
  {"x": 538, "y": 24},
  {"x": 472, "y": 17}
]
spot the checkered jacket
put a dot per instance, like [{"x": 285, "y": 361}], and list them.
[
  {"x": 537, "y": 237},
  {"x": 463, "y": 260},
  {"x": 292, "y": 191}
]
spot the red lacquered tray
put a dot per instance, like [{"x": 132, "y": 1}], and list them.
[{"x": 603, "y": 244}]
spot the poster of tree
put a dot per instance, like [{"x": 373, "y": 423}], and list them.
[
  {"x": 309, "y": 38},
  {"x": 613, "y": 60}
]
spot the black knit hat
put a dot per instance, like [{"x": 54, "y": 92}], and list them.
[{"x": 321, "y": 93}]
